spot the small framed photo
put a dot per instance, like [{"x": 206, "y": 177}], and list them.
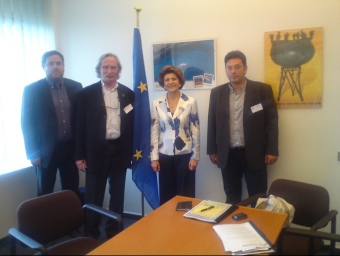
[
  {"x": 208, "y": 79},
  {"x": 198, "y": 81}
]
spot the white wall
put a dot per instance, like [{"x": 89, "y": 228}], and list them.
[{"x": 309, "y": 138}]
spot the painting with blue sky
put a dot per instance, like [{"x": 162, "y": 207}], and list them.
[{"x": 194, "y": 58}]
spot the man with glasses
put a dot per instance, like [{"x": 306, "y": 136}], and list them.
[
  {"x": 242, "y": 130},
  {"x": 104, "y": 139},
  {"x": 46, "y": 119}
]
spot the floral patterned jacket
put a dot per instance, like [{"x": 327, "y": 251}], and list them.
[{"x": 175, "y": 134}]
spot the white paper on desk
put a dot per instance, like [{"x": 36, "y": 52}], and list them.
[{"x": 241, "y": 238}]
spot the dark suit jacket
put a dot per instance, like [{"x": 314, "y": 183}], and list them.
[
  {"x": 260, "y": 128},
  {"x": 91, "y": 126},
  {"x": 39, "y": 119}
]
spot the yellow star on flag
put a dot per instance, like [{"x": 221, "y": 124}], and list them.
[
  {"x": 138, "y": 154},
  {"x": 142, "y": 87}
]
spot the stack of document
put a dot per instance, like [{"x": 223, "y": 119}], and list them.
[
  {"x": 243, "y": 239},
  {"x": 210, "y": 211}
]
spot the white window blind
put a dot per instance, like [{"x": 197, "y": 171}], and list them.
[{"x": 26, "y": 32}]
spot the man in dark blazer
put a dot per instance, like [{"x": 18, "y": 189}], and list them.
[
  {"x": 242, "y": 130},
  {"x": 46, "y": 119},
  {"x": 104, "y": 139}
]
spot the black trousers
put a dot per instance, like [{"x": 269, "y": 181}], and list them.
[
  {"x": 95, "y": 186},
  {"x": 175, "y": 178},
  {"x": 232, "y": 174},
  {"x": 62, "y": 160}
]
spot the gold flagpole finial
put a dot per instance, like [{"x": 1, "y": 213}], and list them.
[{"x": 138, "y": 10}]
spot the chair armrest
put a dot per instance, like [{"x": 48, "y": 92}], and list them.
[
  {"x": 105, "y": 212},
  {"x": 251, "y": 200},
  {"x": 31, "y": 243},
  {"x": 323, "y": 222},
  {"x": 312, "y": 233}
]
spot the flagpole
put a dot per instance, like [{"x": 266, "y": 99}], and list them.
[{"x": 138, "y": 10}]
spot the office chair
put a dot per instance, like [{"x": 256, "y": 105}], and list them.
[
  {"x": 311, "y": 203},
  {"x": 47, "y": 218}
]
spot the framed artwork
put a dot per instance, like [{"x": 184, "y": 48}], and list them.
[
  {"x": 293, "y": 66},
  {"x": 196, "y": 59}
]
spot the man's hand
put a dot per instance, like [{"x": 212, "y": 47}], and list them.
[
  {"x": 270, "y": 159},
  {"x": 36, "y": 162},
  {"x": 81, "y": 165},
  {"x": 213, "y": 158}
]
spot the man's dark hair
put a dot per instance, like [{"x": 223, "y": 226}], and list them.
[
  {"x": 49, "y": 54},
  {"x": 236, "y": 55}
]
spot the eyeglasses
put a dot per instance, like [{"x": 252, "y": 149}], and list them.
[{"x": 236, "y": 68}]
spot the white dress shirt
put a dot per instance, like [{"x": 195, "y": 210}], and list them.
[{"x": 112, "y": 112}]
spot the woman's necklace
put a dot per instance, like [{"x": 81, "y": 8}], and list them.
[{"x": 173, "y": 102}]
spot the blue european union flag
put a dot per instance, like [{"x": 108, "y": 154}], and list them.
[{"x": 142, "y": 173}]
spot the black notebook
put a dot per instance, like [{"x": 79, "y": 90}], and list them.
[{"x": 184, "y": 206}]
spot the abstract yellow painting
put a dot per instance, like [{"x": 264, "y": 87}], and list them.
[{"x": 293, "y": 66}]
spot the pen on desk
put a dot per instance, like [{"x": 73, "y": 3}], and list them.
[
  {"x": 208, "y": 208},
  {"x": 261, "y": 234}
]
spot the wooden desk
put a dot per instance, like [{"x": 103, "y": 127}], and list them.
[{"x": 166, "y": 231}]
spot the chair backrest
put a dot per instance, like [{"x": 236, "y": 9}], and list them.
[
  {"x": 51, "y": 216},
  {"x": 311, "y": 202}
]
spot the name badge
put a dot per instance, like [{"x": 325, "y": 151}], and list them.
[
  {"x": 128, "y": 108},
  {"x": 256, "y": 108}
]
